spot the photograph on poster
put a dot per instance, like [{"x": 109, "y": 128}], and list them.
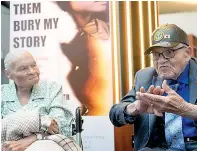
[{"x": 89, "y": 54}]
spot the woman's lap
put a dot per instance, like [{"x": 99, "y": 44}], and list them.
[
  {"x": 44, "y": 145},
  {"x": 54, "y": 144}
]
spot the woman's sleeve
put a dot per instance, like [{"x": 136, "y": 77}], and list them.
[{"x": 59, "y": 110}]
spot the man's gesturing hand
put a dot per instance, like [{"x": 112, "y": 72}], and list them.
[
  {"x": 172, "y": 103},
  {"x": 142, "y": 105}
]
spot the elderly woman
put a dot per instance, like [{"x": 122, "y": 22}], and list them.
[{"x": 32, "y": 110}]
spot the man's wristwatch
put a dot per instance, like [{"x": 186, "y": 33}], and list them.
[{"x": 39, "y": 136}]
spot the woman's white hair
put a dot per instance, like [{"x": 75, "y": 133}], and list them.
[{"x": 11, "y": 57}]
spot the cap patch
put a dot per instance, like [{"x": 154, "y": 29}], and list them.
[{"x": 159, "y": 35}]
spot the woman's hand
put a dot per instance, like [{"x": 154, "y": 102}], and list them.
[
  {"x": 50, "y": 124},
  {"x": 19, "y": 145},
  {"x": 53, "y": 128}
]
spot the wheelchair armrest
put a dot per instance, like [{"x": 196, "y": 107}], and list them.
[
  {"x": 79, "y": 120},
  {"x": 77, "y": 127}
]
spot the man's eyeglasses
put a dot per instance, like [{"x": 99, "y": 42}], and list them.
[{"x": 170, "y": 53}]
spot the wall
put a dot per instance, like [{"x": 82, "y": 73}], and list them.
[
  {"x": 5, "y": 38},
  {"x": 5, "y": 31},
  {"x": 187, "y": 21}
]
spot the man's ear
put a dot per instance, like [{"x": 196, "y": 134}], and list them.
[
  {"x": 189, "y": 51},
  {"x": 7, "y": 73}
]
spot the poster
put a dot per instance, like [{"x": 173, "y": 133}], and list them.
[{"x": 70, "y": 41}]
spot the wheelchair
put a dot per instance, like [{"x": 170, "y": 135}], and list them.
[{"x": 77, "y": 127}]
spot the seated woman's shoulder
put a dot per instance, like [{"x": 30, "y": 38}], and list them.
[
  {"x": 5, "y": 87},
  {"x": 7, "y": 91}
]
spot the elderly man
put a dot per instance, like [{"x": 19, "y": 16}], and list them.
[
  {"x": 33, "y": 112},
  {"x": 161, "y": 104}
]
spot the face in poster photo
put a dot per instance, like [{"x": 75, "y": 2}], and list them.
[{"x": 90, "y": 55}]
